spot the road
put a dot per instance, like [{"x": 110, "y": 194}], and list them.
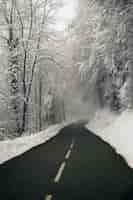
[{"x": 75, "y": 165}]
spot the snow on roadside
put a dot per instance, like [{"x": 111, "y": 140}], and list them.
[
  {"x": 13, "y": 148},
  {"x": 118, "y": 133},
  {"x": 103, "y": 118}
]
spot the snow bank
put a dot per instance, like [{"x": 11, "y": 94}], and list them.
[
  {"x": 118, "y": 132},
  {"x": 103, "y": 118},
  {"x": 13, "y": 148}
]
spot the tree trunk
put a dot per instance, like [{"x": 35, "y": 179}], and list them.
[
  {"x": 40, "y": 103},
  {"x": 25, "y": 105},
  {"x": 14, "y": 86},
  {"x": 36, "y": 104},
  {"x": 13, "y": 72}
]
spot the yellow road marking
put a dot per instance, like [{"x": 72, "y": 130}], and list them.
[
  {"x": 68, "y": 154},
  {"x": 61, "y": 169},
  {"x": 48, "y": 197},
  {"x": 72, "y": 145},
  {"x": 70, "y": 150},
  {"x": 59, "y": 173}
]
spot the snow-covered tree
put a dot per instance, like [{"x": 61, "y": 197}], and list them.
[
  {"x": 26, "y": 29},
  {"x": 104, "y": 32}
]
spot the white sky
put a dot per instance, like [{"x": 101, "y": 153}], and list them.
[{"x": 65, "y": 15}]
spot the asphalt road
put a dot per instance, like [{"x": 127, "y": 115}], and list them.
[{"x": 75, "y": 165}]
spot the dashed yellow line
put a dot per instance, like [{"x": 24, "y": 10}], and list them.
[
  {"x": 72, "y": 144},
  {"x": 61, "y": 169},
  {"x": 49, "y": 197},
  {"x": 60, "y": 172},
  {"x": 68, "y": 154}
]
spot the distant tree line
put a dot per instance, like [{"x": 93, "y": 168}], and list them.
[
  {"x": 104, "y": 36},
  {"x": 27, "y": 37}
]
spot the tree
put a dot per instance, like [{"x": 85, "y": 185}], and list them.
[
  {"x": 105, "y": 37},
  {"x": 27, "y": 31},
  {"x": 12, "y": 42}
]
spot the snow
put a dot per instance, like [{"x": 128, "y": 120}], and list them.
[
  {"x": 12, "y": 148},
  {"x": 102, "y": 118},
  {"x": 117, "y": 131}
]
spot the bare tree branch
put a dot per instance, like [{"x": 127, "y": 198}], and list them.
[
  {"x": 31, "y": 20},
  {"x": 20, "y": 20},
  {"x": 36, "y": 54}
]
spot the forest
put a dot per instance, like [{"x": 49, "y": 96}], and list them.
[{"x": 54, "y": 70}]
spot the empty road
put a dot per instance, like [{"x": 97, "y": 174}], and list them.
[{"x": 74, "y": 165}]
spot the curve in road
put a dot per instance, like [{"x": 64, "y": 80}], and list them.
[{"x": 75, "y": 165}]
